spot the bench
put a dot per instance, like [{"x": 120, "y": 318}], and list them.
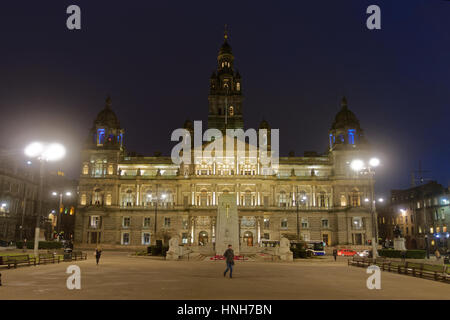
[
  {"x": 15, "y": 260},
  {"x": 360, "y": 262},
  {"x": 78, "y": 255},
  {"x": 440, "y": 272},
  {"x": 48, "y": 257}
]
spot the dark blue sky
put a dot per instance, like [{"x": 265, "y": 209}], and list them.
[{"x": 297, "y": 60}]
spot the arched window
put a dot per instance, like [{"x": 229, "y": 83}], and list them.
[
  {"x": 283, "y": 199},
  {"x": 98, "y": 168},
  {"x": 343, "y": 201},
  {"x": 231, "y": 111},
  {"x": 85, "y": 169},
  {"x": 248, "y": 198},
  {"x": 321, "y": 199},
  {"x": 83, "y": 199},
  {"x": 238, "y": 86},
  {"x": 128, "y": 199},
  {"x": 98, "y": 197},
  {"x": 148, "y": 198},
  {"x": 355, "y": 200},
  {"x": 108, "y": 199},
  {"x": 203, "y": 198}
]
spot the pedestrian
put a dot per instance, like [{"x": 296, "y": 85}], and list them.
[
  {"x": 98, "y": 253},
  {"x": 334, "y": 254},
  {"x": 437, "y": 254},
  {"x": 229, "y": 259},
  {"x": 403, "y": 255}
]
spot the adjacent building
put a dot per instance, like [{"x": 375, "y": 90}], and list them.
[
  {"x": 422, "y": 213},
  {"x": 19, "y": 192}
]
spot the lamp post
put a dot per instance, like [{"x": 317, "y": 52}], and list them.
[
  {"x": 43, "y": 152},
  {"x": 359, "y": 166},
  {"x": 58, "y": 221}
]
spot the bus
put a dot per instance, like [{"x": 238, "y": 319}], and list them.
[{"x": 316, "y": 247}]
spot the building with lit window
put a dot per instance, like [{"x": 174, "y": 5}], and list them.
[
  {"x": 316, "y": 196},
  {"x": 422, "y": 213},
  {"x": 19, "y": 184}
]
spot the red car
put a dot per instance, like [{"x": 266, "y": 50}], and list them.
[{"x": 346, "y": 252}]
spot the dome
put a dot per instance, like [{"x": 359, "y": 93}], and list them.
[
  {"x": 107, "y": 117},
  {"x": 345, "y": 118},
  {"x": 225, "y": 48}
]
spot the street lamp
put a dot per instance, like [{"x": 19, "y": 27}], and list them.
[
  {"x": 359, "y": 166},
  {"x": 58, "y": 221},
  {"x": 43, "y": 152}
]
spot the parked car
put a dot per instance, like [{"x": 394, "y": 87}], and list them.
[
  {"x": 346, "y": 252},
  {"x": 364, "y": 253}
]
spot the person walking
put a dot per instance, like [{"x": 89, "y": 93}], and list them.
[
  {"x": 98, "y": 253},
  {"x": 229, "y": 259},
  {"x": 334, "y": 254}
]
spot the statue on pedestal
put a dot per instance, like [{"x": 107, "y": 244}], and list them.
[{"x": 399, "y": 241}]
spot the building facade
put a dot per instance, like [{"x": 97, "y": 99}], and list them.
[
  {"x": 422, "y": 214},
  {"x": 131, "y": 201},
  {"x": 19, "y": 194}
]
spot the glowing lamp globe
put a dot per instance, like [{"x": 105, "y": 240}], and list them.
[
  {"x": 357, "y": 165},
  {"x": 374, "y": 162},
  {"x": 34, "y": 149},
  {"x": 54, "y": 152}
]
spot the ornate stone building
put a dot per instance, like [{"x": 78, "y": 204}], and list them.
[{"x": 127, "y": 200}]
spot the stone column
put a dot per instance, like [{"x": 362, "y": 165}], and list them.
[{"x": 138, "y": 189}]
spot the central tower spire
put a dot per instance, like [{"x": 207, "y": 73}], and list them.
[{"x": 225, "y": 92}]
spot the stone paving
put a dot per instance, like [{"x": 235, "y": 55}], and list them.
[{"x": 122, "y": 277}]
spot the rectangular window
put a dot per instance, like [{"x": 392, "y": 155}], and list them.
[
  {"x": 167, "y": 222},
  {"x": 357, "y": 223},
  {"x": 305, "y": 224},
  {"x": 108, "y": 199},
  {"x": 284, "y": 223},
  {"x": 185, "y": 223},
  {"x": 94, "y": 222},
  {"x": 325, "y": 223},
  {"x": 184, "y": 238},
  {"x": 83, "y": 199},
  {"x": 125, "y": 238},
  {"x": 266, "y": 223},
  {"x": 146, "y": 238},
  {"x": 146, "y": 222},
  {"x": 325, "y": 239},
  {"x": 126, "y": 222}
]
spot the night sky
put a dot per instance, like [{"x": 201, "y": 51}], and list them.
[{"x": 297, "y": 60}]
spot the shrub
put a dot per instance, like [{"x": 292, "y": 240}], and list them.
[
  {"x": 410, "y": 254},
  {"x": 42, "y": 245},
  {"x": 155, "y": 250},
  {"x": 298, "y": 253}
]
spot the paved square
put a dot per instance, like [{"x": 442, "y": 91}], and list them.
[{"x": 121, "y": 277}]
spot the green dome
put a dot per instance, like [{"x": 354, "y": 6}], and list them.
[
  {"x": 107, "y": 117},
  {"x": 345, "y": 118}
]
